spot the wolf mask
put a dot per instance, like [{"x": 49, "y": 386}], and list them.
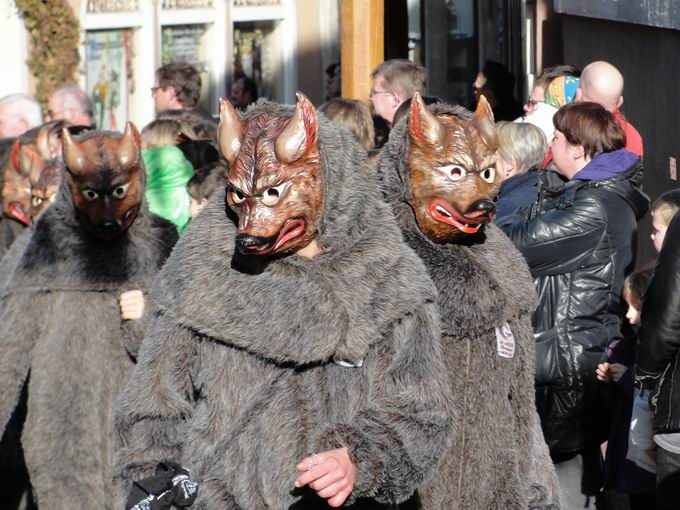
[
  {"x": 274, "y": 181},
  {"x": 452, "y": 164},
  {"x": 105, "y": 174}
]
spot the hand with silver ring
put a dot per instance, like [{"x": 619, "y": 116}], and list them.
[{"x": 331, "y": 474}]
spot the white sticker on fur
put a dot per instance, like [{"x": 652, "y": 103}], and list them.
[{"x": 505, "y": 341}]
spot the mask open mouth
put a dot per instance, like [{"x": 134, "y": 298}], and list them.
[
  {"x": 293, "y": 228},
  {"x": 15, "y": 211},
  {"x": 442, "y": 211}
]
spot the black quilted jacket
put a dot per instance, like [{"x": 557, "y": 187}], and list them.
[{"x": 579, "y": 243}]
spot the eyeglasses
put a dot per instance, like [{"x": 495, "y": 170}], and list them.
[
  {"x": 533, "y": 102},
  {"x": 154, "y": 89},
  {"x": 376, "y": 92}
]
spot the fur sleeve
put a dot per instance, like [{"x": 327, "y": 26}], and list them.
[
  {"x": 21, "y": 326},
  {"x": 396, "y": 439},
  {"x": 538, "y": 467},
  {"x": 155, "y": 404}
]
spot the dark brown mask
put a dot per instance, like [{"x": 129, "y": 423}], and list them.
[
  {"x": 105, "y": 176},
  {"x": 16, "y": 186},
  {"x": 452, "y": 163},
  {"x": 274, "y": 180},
  {"x": 44, "y": 174}
]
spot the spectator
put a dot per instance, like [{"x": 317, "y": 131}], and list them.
[
  {"x": 352, "y": 114},
  {"x": 496, "y": 83},
  {"x": 663, "y": 211},
  {"x": 203, "y": 183},
  {"x": 537, "y": 95},
  {"x": 579, "y": 241},
  {"x": 395, "y": 81},
  {"x": 243, "y": 92},
  {"x": 177, "y": 87},
  {"x": 333, "y": 81},
  {"x": 521, "y": 149},
  {"x": 71, "y": 104},
  {"x": 602, "y": 83},
  {"x": 659, "y": 361},
  {"x": 404, "y": 108},
  {"x": 620, "y": 470},
  {"x": 168, "y": 172},
  {"x": 561, "y": 91},
  {"x": 18, "y": 114}
]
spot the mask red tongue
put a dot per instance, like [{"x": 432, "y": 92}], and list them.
[
  {"x": 17, "y": 213},
  {"x": 441, "y": 211}
]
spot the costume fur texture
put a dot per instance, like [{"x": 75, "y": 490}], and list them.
[
  {"x": 237, "y": 379},
  {"x": 61, "y": 323},
  {"x": 496, "y": 456}
]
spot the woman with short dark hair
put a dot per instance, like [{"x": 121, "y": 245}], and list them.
[{"x": 579, "y": 242}]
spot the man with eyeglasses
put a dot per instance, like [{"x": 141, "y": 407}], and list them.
[
  {"x": 395, "y": 81},
  {"x": 71, "y": 104}
]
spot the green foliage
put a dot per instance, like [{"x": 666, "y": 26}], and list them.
[{"x": 55, "y": 33}]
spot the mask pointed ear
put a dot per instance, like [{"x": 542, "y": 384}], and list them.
[
  {"x": 130, "y": 147},
  {"x": 42, "y": 142},
  {"x": 423, "y": 126},
  {"x": 229, "y": 131},
  {"x": 74, "y": 157},
  {"x": 300, "y": 133},
  {"x": 15, "y": 157},
  {"x": 484, "y": 123}
]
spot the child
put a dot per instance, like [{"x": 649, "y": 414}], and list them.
[
  {"x": 204, "y": 181},
  {"x": 621, "y": 473},
  {"x": 663, "y": 211}
]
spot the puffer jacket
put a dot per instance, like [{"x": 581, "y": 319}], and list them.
[
  {"x": 658, "y": 358},
  {"x": 579, "y": 243}
]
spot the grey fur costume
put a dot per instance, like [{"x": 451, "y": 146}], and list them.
[
  {"x": 496, "y": 457},
  {"x": 237, "y": 379},
  {"x": 61, "y": 322}
]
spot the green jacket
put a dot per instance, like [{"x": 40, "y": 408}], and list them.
[{"x": 168, "y": 173}]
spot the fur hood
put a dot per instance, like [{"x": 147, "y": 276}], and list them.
[
  {"x": 350, "y": 292},
  {"x": 62, "y": 255},
  {"x": 510, "y": 293}
]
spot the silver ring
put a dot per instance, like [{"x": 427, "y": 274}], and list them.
[{"x": 315, "y": 461}]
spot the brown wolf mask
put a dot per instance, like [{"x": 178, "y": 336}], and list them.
[
  {"x": 274, "y": 180},
  {"x": 452, "y": 162},
  {"x": 16, "y": 186},
  {"x": 105, "y": 175}
]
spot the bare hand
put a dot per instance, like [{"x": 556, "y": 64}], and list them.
[
  {"x": 131, "y": 305},
  {"x": 332, "y": 475},
  {"x": 616, "y": 371},
  {"x": 602, "y": 372}
]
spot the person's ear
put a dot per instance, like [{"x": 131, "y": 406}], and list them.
[
  {"x": 173, "y": 92},
  {"x": 577, "y": 151},
  {"x": 619, "y": 103},
  {"x": 204, "y": 201},
  {"x": 579, "y": 95}
]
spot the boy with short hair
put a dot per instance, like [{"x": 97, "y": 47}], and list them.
[{"x": 204, "y": 181}]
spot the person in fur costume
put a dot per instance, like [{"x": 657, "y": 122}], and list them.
[
  {"x": 294, "y": 360},
  {"x": 71, "y": 316},
  {"x": 438, "y": 171}
]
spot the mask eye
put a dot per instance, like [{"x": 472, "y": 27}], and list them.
[
  {"x": 236, "y": 196},
  {"x": 272, "y": 196},
  {"x": 89, "y": 195},
  {"x": 36, "y": 201},
  {"x": 453, "y": 172},
  {"x": 489, "y": 174},
  {"x": 120, "y": 191}
]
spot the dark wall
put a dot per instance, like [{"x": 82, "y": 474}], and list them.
[{"x": 646, "y": 56}]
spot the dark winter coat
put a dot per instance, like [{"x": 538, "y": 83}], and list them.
[
  {"x": 496, "y": 457},
  {"x": 10, "y": 229},
  {"x": 239, "y": 377},
  {"x": 658, "y": 363},
  {"x": 579, "y": 242},
  {"x": 61, "y": 322},
  {"x": 516, "y": 196}
]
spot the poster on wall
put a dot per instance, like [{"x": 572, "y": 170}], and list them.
[
  {"x": 106, "y": 77},
  {"x": 189, "y": 44}
]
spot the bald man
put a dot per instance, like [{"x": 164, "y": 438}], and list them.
[
  {"x": 602, "y": 83},
  {"x": 71, "y": 104}
]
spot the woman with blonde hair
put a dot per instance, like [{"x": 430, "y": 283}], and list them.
[
  {"x": 168, "y": 171},
  {"x": 352, "y": 114},
  {"x": 521, "y": 150}
]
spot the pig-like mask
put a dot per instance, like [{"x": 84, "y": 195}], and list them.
[
  {"x": 452, "y": 164},
  {"x": 16, "y": 187},
  {"x": 105, "y": 176},
  {"x": 274, "y": 181}
]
